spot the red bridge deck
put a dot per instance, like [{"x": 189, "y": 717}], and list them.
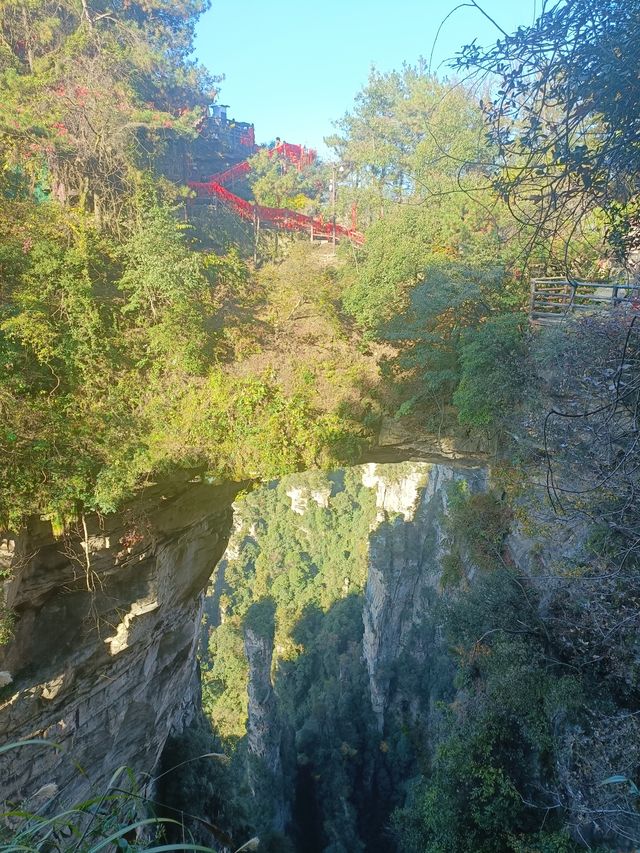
[{"x": 277, "y": 217}]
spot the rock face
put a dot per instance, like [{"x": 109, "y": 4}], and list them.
[
  {"x": 397, "y": 494},
  {"x": 102, "y": 662},
  {"x": 404, "y": 572},
  {"x": 300, "y": 498},
  {"x": 264, "y": 730},
  {"x": 400, "y": 440}
]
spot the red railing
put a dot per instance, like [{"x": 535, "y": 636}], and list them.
[
  {"x": 231, "y": 174},
  {"x": 297, "y": 154},
  {"x": 248, "y": 139},
  {"x": 278, "y": 217}
]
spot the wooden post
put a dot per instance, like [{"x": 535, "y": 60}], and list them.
[
  {"x": 532, "y": 298},
  {"x": 256, "y": 234}
]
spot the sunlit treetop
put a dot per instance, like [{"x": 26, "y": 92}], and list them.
[{"x": 89, "y": 88}]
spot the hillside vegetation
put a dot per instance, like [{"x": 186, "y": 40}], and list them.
[
  {"x": 117, "y": 329},
  {"x": 130, "y": 350}
]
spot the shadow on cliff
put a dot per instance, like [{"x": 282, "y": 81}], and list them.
[
  {"x": 337, "y": 772},
  {"x": 339, "y": 780}
]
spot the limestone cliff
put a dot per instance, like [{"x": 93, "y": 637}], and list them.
[
  {"x": 264, "y": 730},
  {"x": 404, "y": 570},
  {"x": 102, "y": 662},
  {"x": 355, "y": 684},
  {"x": 103, "y": 658}
]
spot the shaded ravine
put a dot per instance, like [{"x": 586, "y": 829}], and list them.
[
  {"x": 102, "y": 662},
  {"x": 403, "y": 670}
]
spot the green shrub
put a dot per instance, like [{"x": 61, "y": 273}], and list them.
[
  {"x": 260, "y": 618},
  {"x": 495, "y": 373},
  {"x": 7, "y": 618},
  {"x": 482, "y": 792},
  {"x": 120, "y": 817},
  {"x": 452, "y": 569},
  {"x": 476, "y": 525}
]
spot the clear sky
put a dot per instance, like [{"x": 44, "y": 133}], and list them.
[{"x": 293, "y": 66}]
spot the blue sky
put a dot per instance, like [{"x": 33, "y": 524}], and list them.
[{"x": 293, "y": 67}]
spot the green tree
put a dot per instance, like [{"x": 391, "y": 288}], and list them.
[
  {"x": 445, "y": 254},
  {"x": 276, "y": 182},
  {"x": 168, "y": 295},
  {"x": 495, "y": 375},
  {"x": 484, "y": 785},
  {"x": 564, "y": 115},
  {"x": 89, "y": 89},
  {"x": 409, "y": 138}
]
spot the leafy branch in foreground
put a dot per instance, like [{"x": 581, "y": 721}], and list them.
[
  {"x": 564, "y": 115},
  {"x": 123, "y": 818}
]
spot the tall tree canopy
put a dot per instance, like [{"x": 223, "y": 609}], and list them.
[
  {"x": 565, "y": 113},
  {"x": 88, "y": 88},
  {"x": 440, "y": 252},
  {"x": 114, "y": 342},
  {"x": 409, "y": 137}
]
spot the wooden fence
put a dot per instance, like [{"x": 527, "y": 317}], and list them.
[{"x": 554, "y": 299}]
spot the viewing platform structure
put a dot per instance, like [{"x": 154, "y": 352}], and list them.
[{"x": 553, "y": 300}]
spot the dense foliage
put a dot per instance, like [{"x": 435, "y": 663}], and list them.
[
  {"x": 113, "y": 319},
  {"x": 536, "y": 752},
  {"x": 563, "y": 115},
  {"x": 510, "y": 748},
  {"x": 495, "y": 752},
  {"x": 444, "y": 254},
  {"x": 111, "y": 368},
  {"x": 130, "y": 350},
  {"x": 88, "y": 91},
  {"x": 306, "y": 566},
  {"x": 303, "y": 567},
  {"x": 494, "y": 374},
  {"x": 275, "y": 182}
]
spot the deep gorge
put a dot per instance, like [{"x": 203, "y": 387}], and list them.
[
  {"x": 374, "y": 636},
  {"x": 124, "y": 677},
  {"x": 319, "y": 467}
]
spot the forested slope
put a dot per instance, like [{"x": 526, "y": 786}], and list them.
[
  {"x": 116, "y": 324},
  {"x": 133, "y": 357}
]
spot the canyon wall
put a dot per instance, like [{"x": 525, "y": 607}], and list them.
[
  {"x": 102, "y": 663},
  {"x": 405, "y": 552}
]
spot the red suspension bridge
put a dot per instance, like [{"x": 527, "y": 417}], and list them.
[{"x": 274, "y": 217}]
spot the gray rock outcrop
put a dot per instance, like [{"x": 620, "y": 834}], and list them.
[
  {"x": 405, "y": 551},
  {"x": 264, "y": 730},
  {"x": 102, "y": 662}
]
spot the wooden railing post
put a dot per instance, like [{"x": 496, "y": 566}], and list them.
[
  {"x": 532, "y": 297},
  {"x": 552, "y": 299}
]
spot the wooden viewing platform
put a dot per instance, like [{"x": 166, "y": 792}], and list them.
[{"x": 554, "y": 299}]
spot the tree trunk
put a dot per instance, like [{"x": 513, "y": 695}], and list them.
[{"x": 27, "y": 38}]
